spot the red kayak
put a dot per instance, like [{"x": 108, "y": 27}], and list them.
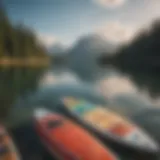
[{"x": 67, "y": 140}]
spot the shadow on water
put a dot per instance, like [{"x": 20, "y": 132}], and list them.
[
  {"x": 147, "y": 82},
  {"x": 29, "y": 144}
]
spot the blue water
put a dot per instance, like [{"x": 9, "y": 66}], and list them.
[{"x": 24, "y": 134}]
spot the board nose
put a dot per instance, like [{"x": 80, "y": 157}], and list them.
[{"x": 40, "y": 113}]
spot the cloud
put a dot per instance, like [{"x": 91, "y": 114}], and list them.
[
  {"x": 47, "y": 40},
  {"x": 143, "y": 12},
  {"x": 116, "y": 32},
  {"x": 110, "y": 3}
]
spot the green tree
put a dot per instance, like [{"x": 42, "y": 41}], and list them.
[{"x": 18, "y": 41}]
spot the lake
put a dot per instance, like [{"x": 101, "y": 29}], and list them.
[{"x": 22, "y": 90}]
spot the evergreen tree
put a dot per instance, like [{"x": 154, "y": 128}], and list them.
[{"x": 18, "y": 41}]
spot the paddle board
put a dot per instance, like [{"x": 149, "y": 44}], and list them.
[{"x": 110, "y": 125}]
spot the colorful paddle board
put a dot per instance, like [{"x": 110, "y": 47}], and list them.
[{"x": 110, "y": 124}]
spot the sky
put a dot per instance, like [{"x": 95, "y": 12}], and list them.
[{"x": 65, "y": 21}]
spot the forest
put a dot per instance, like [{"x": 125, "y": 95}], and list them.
[
  {"x": 140, "y": 60},
  {"x": 141, "y": 55},
  {"x": 18, "y": 42}
]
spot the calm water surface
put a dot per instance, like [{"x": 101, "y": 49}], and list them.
[{"x": 22, "y": 90}]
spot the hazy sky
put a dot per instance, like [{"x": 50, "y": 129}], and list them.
[{"x": 66, "y": 20}]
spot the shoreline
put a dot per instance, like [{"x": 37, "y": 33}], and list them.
[{"x": 24, "y": 62}]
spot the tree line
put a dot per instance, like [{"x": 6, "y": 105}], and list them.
[
  {"x": 142, "y": 54},
  {"x": 140, "y": 60},
  {"x": 18, "y": 41}
]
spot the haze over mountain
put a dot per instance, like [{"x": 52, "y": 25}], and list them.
[
  {"x": 56, "y": 49},
  {"x": 83, "y": 55}
]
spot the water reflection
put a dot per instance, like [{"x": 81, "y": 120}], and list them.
[
  {"x": 150, "y": 121},
  {"x": 148, "y": 82},
  {"x": 59, "y": 77},
  {"x": 15, "y": 85},
  {"x": 113, "y": 85},
  {"x": 21, "y": 91},
  {"x": 122, "y": 94},
  {"x": 15, "y": 82}
]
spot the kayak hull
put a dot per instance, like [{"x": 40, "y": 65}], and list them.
[
  {"x": 11, "y": 153},
  {"x": 70, "y": 146},
  {"x": 109, "y": 138}
]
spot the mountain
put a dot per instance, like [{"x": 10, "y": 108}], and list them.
[
  {"x": 57, "y": 49},
  {"x": 84, "y": 54},
  {"x": 58, "y": 55}
]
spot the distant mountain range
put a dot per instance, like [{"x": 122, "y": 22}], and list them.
[
  {"x": 84, "y": 54},
  {"x": 56, "y": 49},
  {"x": 85, "y": 43},
  {"x": 82, "y": 57}
]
